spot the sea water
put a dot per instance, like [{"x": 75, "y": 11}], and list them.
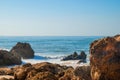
[{"x": 50, "y": 48}]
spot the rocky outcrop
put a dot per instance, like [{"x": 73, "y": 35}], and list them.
[
  {"x": 75, "y": 56},
  {"x": 46, "y": 71},
  {"x": 105, "y": 59},
  {"x": 7, "y": 58},
  {"x": 23, "y": 49}
]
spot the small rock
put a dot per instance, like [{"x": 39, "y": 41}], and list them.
[{"x": 75, "y": 56}]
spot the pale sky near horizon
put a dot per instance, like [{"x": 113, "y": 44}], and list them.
[{"x": 59, "y": 17}]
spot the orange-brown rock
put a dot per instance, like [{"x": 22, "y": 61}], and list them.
[
  {"x": 21, "y": 72},
  {"x": 6, "y": 74},
  {"x": 45, "y": 71},
  {"x": 83, "y": 72},
  {"x": 44, "y": 76},
  {"x": 68, "y": 75},
  {"x": 6, "y": 77},
  {"x": 105, "y": 59},
  {"x": 6, "y": 71}
]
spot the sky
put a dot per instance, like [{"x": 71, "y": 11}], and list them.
[{"x": 59, "y": 17}]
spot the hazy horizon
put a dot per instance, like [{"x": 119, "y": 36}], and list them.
[{"x": 59, "y": 17}]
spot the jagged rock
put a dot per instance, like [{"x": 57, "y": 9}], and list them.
[
  {"x": 20, "y": 73},
  {"x": 105, "y": 59},
  {"x": 75, "y": 56},
  {"x": 46, "y": 71},
  {"x": 83, "y": 55},
  {"x": 44, "y": 76},
  {"x": 6, "y": 58},
  {"x": 23, "y": 49},
  {"x": 83, "y": 72},
  {"x": 69, "y": 75}
]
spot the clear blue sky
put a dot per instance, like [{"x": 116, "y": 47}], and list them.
[{"x": 59, "y": 17}]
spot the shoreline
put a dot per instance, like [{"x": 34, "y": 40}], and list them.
[
  {"x": 72, "y": 63},
  {"x": 104, "y": 61}
]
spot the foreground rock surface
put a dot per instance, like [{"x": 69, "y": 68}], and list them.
[
  {"x": 75, "y": 56},
  {"x": 7, "y": 58},
  {"x": 105, "y": 59},
  {"x": 23, "y": 49},
  {"x": 6, "y": 77},
  {"x": 47, "y": 71}
]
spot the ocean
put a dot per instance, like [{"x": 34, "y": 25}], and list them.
[{"x": 50, "y": 48}]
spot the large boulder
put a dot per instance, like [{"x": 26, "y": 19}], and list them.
[
  {"x": 105, "y": 59},
  {"x": 6, "y": 58},
  {"x": 75, "y": 56},
  {"x": 23, "y": 49}
]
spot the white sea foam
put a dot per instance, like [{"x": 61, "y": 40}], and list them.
[
  {"x": 5, "y": 49},
  {"x": 72, "y": 63},
  {"x": 50, "y": 56}
]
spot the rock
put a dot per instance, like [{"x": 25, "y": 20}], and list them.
[
  {"x": 41, "y": 71},
  {"x": 105, "y": 58},
  {"x": 44, "y": 76},
  {"x": 45, "y": 71},
  {"x": 6, "y": 71},
  {"x": 6, "y": 77},
  {"x": 20, "y": 73},
  {"x": 83, "y": 72},
  {"x": 71, "y": 57},
  {"x": 6, "y": 58},
  {"x": 81, "y": 61},
  {"x": 68, "y": 75},
  {"x": 75, "y": 56},
  {"x": 83, "y": 55},
  {"x": 23, "y": 49}
]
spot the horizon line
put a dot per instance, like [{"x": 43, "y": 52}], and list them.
[{"x": 50, "y": 35}]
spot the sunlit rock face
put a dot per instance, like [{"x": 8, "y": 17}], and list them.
[{"x": 105, "y": 58}]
